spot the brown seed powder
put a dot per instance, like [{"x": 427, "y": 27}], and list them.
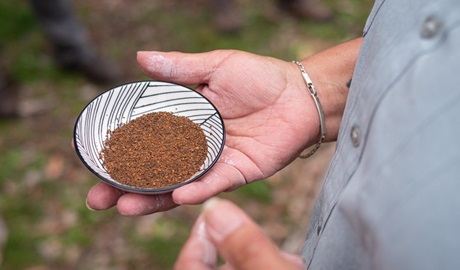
[{"x": 155, "y": 150}]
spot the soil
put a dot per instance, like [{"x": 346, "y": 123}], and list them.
[{"x": 156, "y": 150}]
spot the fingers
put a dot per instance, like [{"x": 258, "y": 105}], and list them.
[
  {"x": 103, "y": 196},
  {"x": 179, "y": 67},
  {"x": 239, "y": 240},
  {"x": 132, "y": 204},
  {"x": 233, "y": 170},
  {"x": 222, "y": 177},
  {"x": 198, "y": 252},
  {"x": 298, "y": 261}
]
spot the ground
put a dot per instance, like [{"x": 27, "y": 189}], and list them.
[{"x": 43, "y": 184}]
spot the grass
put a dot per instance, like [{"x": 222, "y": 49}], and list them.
[{"x": 43, "y": 184}]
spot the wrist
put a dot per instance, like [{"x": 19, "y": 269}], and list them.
[
  {"x": 314, "y": 95},
  {"x": 330, "y": 72}
]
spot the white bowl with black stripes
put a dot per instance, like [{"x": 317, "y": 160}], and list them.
[{"x": 126, "y": 102}]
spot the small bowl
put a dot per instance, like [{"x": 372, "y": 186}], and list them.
[{"x": 126, "y": 102}]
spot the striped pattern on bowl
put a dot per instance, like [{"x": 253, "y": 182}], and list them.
[{"x": 126, "y": 102}]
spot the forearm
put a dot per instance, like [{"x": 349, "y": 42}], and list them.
[{"x": 331, "y": 70}]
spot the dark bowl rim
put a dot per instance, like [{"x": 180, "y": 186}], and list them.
[{"x": 148, "y": 190}]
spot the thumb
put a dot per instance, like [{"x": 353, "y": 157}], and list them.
[
  {"x": 240, "y": 242},
  {"x": 181, "y": 68}
]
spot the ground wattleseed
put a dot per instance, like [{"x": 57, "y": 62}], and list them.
[{"x": 155, "y": 150}]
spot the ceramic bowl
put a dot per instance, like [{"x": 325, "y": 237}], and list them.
[{"x": 126, "y": 102}]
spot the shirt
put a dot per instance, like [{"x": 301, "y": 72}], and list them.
[{"x": 391, "y": 197}]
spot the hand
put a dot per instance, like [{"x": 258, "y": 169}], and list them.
[
  {"x": 268, "y": 113},
  {"x": 223, "y": 228},
  {"x": 264, "y": 104}
]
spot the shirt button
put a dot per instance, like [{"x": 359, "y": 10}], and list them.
[
  {"x": 430, "y": 27},
  {"x": 355, "y": 135}
]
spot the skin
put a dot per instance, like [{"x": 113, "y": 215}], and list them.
[
  {"x": 223, "y": 228},
  {"x": 269, "y": 116}
]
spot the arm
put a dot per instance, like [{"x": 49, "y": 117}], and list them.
[{"x": 268, "y": 112}]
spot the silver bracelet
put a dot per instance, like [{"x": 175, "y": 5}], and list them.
[{"x": 314, "y": 95}]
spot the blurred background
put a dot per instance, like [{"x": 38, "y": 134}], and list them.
[{"x": 44, "y": 221}]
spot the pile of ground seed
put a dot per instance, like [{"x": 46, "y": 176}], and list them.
[{"x": 155, "y": 150}]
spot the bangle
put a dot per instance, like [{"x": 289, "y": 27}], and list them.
[{"x": 314, "y": 95}]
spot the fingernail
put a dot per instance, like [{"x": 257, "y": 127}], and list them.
[
  {"x": 207, "y": 248},
  {"x": 222, "y": 218},
  {"x": 89, "y": 207}
]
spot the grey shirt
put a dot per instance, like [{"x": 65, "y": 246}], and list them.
[{"x": 391, "y": 198}]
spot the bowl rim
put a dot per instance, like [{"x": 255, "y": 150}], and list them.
[{"x": 152, "y": 191}]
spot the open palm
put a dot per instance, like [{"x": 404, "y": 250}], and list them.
[
  {"x": 264, "y": 104},
  {"x": 268, "y": 115}
]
